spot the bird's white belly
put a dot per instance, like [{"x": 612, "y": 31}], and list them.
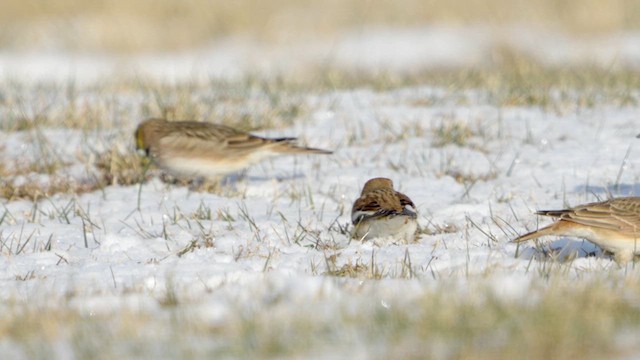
[
  {"x": 401, "y": 228},
  {"x": 609, "y": 243},
  {"x": 202, "y": 166},
  {"x": 617, "y": 245}
]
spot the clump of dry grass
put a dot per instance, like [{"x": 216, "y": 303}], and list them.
[
  {"x": 117, "y": 168},
  {"x": 22, "y": 179},
  {"x": 358, "y": 269},
  {"x": 451, "y": 132},
  {"x": 32, "y": 190}
]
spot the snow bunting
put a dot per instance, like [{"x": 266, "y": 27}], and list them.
[
  {"x": 383, "y": 212},
  {"x": 192, "y": 148},
  {"x": 613, "y": 225}
]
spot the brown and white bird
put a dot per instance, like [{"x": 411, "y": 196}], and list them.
[
  {"x": 613, "y": 225},
  {"x": 382, "y": 212},
  {"x": 192, "y": 148}
]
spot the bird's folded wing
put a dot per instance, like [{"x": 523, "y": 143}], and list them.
[{"x": 602, "y": 215}]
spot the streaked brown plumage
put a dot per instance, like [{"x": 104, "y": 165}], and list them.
[
  {"x": 613, "y": 225},
  {"x": 380, "y": 211},
  {"x": 194, "y": 148}
]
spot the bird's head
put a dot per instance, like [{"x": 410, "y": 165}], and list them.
[
  {"x": 141, "y": 146},
  {"x": 148, "y": 133},
  {"x": 377, "y": 183}
]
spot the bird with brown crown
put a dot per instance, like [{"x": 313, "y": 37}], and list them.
[
  {"x": 382, "y": 212},
  {"x": 613, "y": 225},
  {"x": 201, "y": 149}
]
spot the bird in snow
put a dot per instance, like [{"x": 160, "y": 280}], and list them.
[
  {"x": 613, "y": 225},
  {"x": 382, "y": 212},
  {"x": 201, "y": 149}
]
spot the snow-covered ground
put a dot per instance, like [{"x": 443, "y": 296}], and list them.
[{"x": 274, "y": 240}]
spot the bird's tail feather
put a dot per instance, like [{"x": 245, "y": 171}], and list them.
[
  {"x": 287, "y": 145},
  {"x": 534, "y": 234}
]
